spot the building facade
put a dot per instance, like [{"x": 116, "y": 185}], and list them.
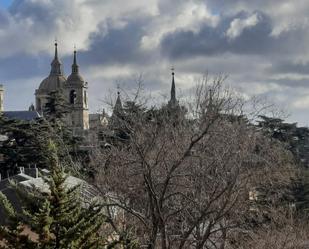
[{"x": 74, "y": 90}]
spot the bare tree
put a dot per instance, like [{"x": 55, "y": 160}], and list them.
[
  {"x": 183, "y": 178},
  {"x": 282, "y": 232}
]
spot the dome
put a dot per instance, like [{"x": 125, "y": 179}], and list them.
[
  {"x": 52, "y": 83},
  {"x": 56, "y": 79},
  {"x": 76, "y": 78}
]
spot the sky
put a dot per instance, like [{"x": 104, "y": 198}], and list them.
[
  {"x": 262, "y": 45},
  {"x": 5, "y": 3}
]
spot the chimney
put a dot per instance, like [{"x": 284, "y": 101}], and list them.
[
  {"x": 22, "y": 170},
  {"x": 36, "y": 173},
  {"x": 1, "y": 98}
]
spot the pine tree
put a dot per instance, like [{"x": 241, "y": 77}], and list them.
[
  {"x": 296, "y": 140},
  {"x": 56, "y": 113},
  {"x": 25, "y": 144},
  {"x": 57, "y": 108},
  {"x": 26, "y": 140},
  {"x": 62, "y": 220},
  {"x": 11, "y": 233}
]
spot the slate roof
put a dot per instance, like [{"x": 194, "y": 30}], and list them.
[
  {"x": 52, "y": 83},
  {"x": 10, "y": 193},
  {"x": 3, "y": 138},
  {"x": 29, "y": 178},
  {"x": 22, "y": 115}
]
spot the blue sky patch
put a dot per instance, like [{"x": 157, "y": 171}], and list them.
[{"x": 5, "y": 3}]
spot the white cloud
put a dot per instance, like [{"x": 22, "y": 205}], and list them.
[
  {"x": 189, "y": 16},
  {"x": 238, "y": 25},
  {"x": 32, "y": 25}
]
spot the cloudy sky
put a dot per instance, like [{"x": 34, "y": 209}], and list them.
[{"x": 263, "y": 45}]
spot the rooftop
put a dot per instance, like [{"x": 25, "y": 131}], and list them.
[
  {"x": 32, "y": 178},
  {"x": 22, "y": 115}
]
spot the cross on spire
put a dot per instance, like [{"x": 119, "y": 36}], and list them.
[
  {"x": 56, "y": 68},
  {"x": 56, "y": 48},
  {"x": 75, "y": 67}
]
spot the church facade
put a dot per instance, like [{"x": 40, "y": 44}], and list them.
[{"x": 74, "y": 89}]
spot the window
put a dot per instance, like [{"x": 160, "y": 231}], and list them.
[{"x": 72, "y": 97}]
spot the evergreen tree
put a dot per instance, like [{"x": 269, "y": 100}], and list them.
[
  {"x": 11, "y": 234},
  {"x": 123, "y": 120},
  {"x": 25, "y": 144},
  {"x": 56, "y": 113},
  {"x": 57, "y": 108},
  {"x": 295, "y": 139},
  {"x": 62, "y": 220},
  {"x": 278, "y": 129}
]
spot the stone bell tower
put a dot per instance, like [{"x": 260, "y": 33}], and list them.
[
  {"x": 54, "y": 82},
  {"x": 77, "y": 95}
]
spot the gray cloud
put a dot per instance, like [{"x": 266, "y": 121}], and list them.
[
  {"x": 256, "y": 39},
  {"x": 290, "y": 67},
  {"x": 303, "y": 82},
  {"x": 258, "y": 43},
  {"x": 4, "y": 19},
  {"x": 117, "y": 45},
  {"x": 19, "y": 67}
]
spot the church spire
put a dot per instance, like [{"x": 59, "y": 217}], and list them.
[
  {"x": 173, "y": 101},
  {"x": 75, "y": 78},
  {"x": 75, "y": 67},
  {"x": 117, "y": 112},
  {"x": 56, "y": 50},
  {"x": 173, "y": 89},
  {"x": 56, "y": 67},
  {"x": 118, "y": 104}
]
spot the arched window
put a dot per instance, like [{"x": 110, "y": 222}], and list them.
[{"x": 72, "y": 97}]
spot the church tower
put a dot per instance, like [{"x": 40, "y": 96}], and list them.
[
  {"x": 117, "y": 115},
  {"x": 76, "y": 91},
  {"x": 118, "y": 105},
  {"x": 1, "y": 98},
  {"x": 173, "y": 103},
  {"x": 54, "y": 82}
]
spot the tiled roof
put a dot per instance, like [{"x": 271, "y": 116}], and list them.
[{"x": 22, "y": 115}]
